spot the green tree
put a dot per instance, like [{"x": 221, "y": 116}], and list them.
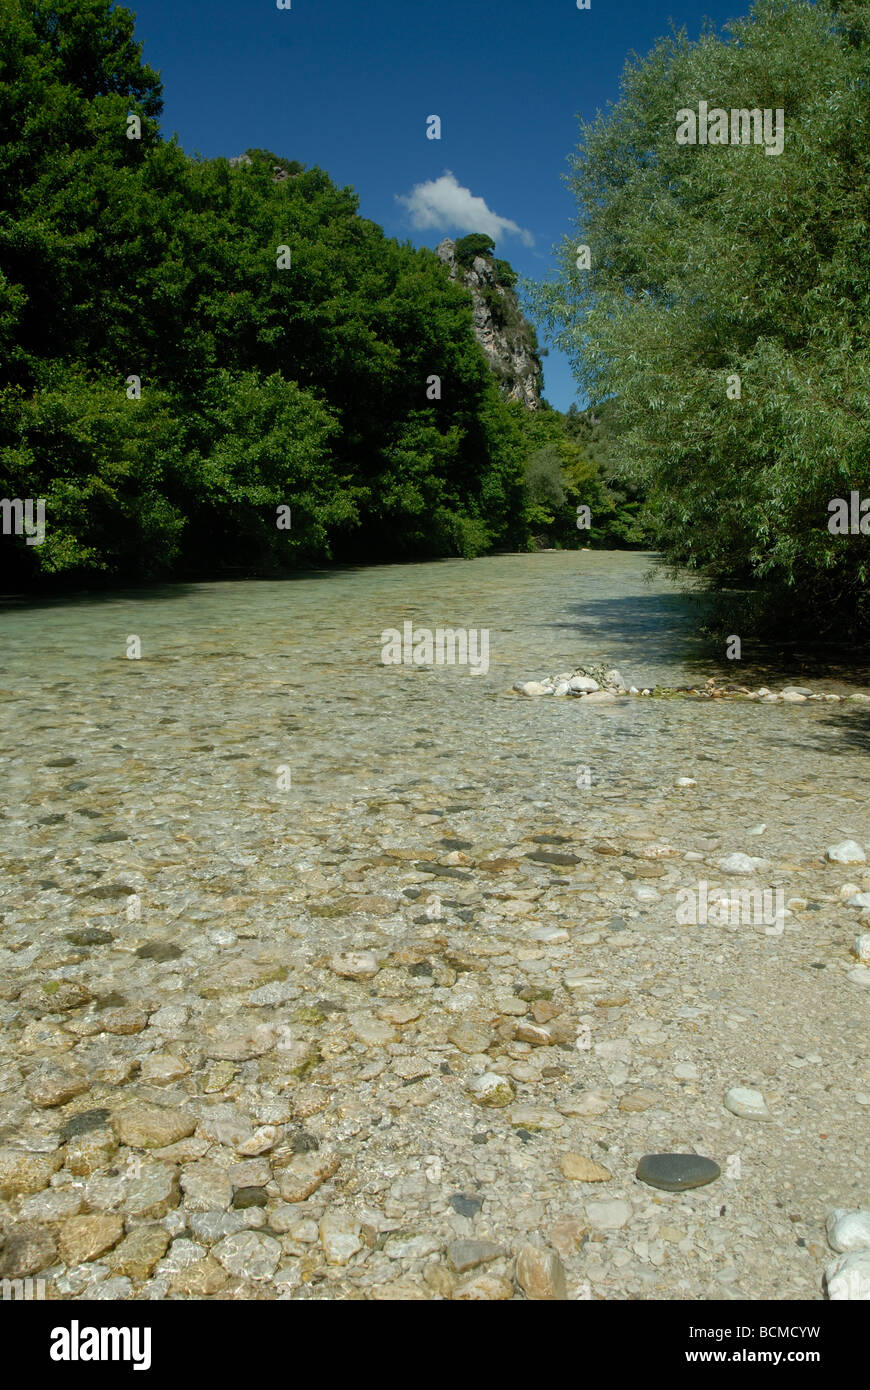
[
  {"x": 468, "y": 247},
  {"x": 712, "y": 262},
  {"x": 263, "y": 383}
]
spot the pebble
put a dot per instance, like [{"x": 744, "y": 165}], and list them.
[
  {"x": 676, "y": 1172},
  {"x": 250, "y": 1254},
  {"x": 580, "y": 1169},
  {"x": 746, "y": 1102},
  {"x": 144, "y": 1126},
  {"x": 609, "y": 1215},
  {"x": 848, "y": 1277},
  {"x": 354, "y": 965},
  {"x": 50, "y": 1085},
  {"x": 210, "y": 1226},
  {"x": 26, "y": 1250},
  {"x": 535, "y": 1117},
  {"x": 541, "y": 1274},
  {"x": 846, "y": 852},
  {"x": 52, "y": 1205},
  {"x": 739, "y": 864},
  {"x": 686, "y": 1071},
  {"x": 340, "y": 1236},
  {"x": 83, "y": 1238},
  {"x": 305, "y": 1174},
  {"x": 412, "y": 1247},
  {"x": 848, "y": 1230},
  {"x": 861, "y": 947},
  {"x": 203, "y": 1278},
  {"x": 484, "y": 1288},
  {"x": 469, "y": 1038},
  {"x": 22, "y": 1172},
  {"x": 490, "y": 1089},
  {"x": 206, "y": 1186},
  {"x": 466, "y": 1254},
  {"x": 139, "y": 1252},
  {"x": 241, "y": 1044},
  {"x": 858, "y": 900},
  {"x": 860, "y": 975},
  {"x": 586, "y": 1103}
]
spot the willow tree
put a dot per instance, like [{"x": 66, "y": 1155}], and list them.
[{"x": 726, "y": 299}]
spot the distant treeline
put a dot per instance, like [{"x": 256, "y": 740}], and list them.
[{"x": 188, "y": 346}]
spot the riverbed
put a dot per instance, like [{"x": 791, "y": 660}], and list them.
[{"x": 191, "y": 835}]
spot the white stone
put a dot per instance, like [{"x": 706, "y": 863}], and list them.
[
  {"x": 250, "y": 1254},
  {"x": 580, "y": 979},
  {"x": 739, "y": 864},
  {"x": 848, "y": 1230},
  {"x": 561, "y": 688},
  {"x": 848, "y": 1277},
  {"x": 582, "y": 685},
  {"x": 340, "y": 1236},
  {"x": 746, "y": 1102},
  {"x": 354, "y": 965},
  {"x": 608, "y": 1216},
  {"x": 260, "y": 1142},
  {"x": 275, "y": 992},
  {"x": 534, "y": 688},
  {"x": 685, "y": 782},
  {"x": 180, "y": 1255},
  {"x": 847, "y": 852},
  {"x": 860, "y": 975},
  {"x": 550, "y": 936},
  {"x": 491, "y": 1089},
  {"x": 858, "y": 900},
  {"x": 411, "y": 1247},
  {"x": 861, "y": 946},
  {"x": 223, "y": 936},
  {"x": 645, "y": 893}
]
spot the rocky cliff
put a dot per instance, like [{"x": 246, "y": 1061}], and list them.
[{"x": 508, "y": 340}]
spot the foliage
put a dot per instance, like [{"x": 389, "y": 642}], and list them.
[
  {"x": 565, "y": 470},
  {"x": 714, "y": 261},
  {"x": 261, "y": 386},
  {"x": 469, "y": 247}
]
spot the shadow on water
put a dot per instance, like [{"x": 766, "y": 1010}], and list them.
[
  {"x": 669, "y": 621},
  {"x": 849, "y": 734},
  {"x": 149, "y": 593},
  {"x": 669, "y": 627}
]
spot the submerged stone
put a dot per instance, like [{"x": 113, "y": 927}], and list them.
[{"x": 677, "y": 1172}]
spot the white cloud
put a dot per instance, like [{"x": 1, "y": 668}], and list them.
[{"x": 443, "y": 203}]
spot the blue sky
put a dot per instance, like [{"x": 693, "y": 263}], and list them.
[{"x": 348, "y": 85}]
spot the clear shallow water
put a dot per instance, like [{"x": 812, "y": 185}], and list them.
[
  {"x": 159, "y": 777},
  {"x": 239, "y": 679}
]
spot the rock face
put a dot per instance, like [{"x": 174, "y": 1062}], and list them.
[{"x": 505, "y": 336}]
